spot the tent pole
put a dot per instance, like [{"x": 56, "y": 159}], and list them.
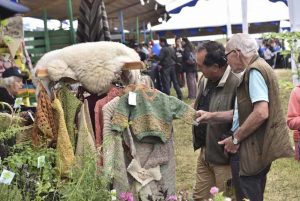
[
  {"x": 46, "y": 33},
  {"x": 295, "y": 27},
  {"x": 122, "y": 27},
  {"x": 71, "y": 19},
  {"x": 137, "y": 30},
  {"x": 245, "y": 15},
  {"x": 145, "y": 34},
  {"x": 228, "y": 25}
]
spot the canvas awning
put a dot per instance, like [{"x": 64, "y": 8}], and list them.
[
  {"x": 57, "y": 9},
  {"x": 212, "y": 14}
]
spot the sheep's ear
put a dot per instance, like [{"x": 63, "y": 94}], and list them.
[{"x": 133, "y": 65}]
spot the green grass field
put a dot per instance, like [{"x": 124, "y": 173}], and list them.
[{"x": 283, "y": 182}]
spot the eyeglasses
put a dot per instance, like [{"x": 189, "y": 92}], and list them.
[{"x": 226, "y": 55}]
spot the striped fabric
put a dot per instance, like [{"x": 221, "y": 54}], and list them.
[{"x": 92, "y": 22}]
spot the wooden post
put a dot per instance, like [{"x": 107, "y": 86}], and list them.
[
  {"x": 137, "y": 30},
  {"x": 70, "y": 14},
  {"x": 46, "y": 33}
]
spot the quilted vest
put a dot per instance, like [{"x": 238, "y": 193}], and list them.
[{"x": 271, "y": 140}]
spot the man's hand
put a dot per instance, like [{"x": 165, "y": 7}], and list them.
[
  {"x": 203, "y": 116},
  {"x": 229, "y": 146}
]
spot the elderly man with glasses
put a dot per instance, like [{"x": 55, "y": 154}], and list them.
[
  {"x": 260, "y": 134},
  {"x": 216, "y": 92}
]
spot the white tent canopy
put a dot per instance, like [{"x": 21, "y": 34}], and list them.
[{"x": 213, "y": 13}]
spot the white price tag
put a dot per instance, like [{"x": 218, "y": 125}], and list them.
[
  {"x": 132, "y": 98},
  {"x": 113, "y": 194},
  {"x": 41, "y": 161},
  {"x": 6, "y": 177},
  {"x": 18, "y": 103}
]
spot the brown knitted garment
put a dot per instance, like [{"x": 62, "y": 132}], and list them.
[{"x": 45, "y": 131}]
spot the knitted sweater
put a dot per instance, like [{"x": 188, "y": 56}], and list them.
[
  {"x": 70, "y": 105},
  {"x": 152, "y": 117},
  {"x": 99, "y": 113},
  {"x": 65, "y": 154},
  {"x": 44, "y": 131},
  {"x": 86, "y": 140},
  {"x": 113, "y": 152},
  {"x": 293, "y": 116}
]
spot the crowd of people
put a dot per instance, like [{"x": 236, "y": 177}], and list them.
[
  {"x": 171, "y": 65},
  {"x": 270, "y": 50}
]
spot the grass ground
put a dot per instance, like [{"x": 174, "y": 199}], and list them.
[{"x": 283, "y": 182}]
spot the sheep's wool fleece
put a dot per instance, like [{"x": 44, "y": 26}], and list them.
[{"x": 94, "y": 64}]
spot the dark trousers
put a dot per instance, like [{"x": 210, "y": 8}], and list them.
[
  {"x": 250, "y": 187},
  {"x": 168, "y": 75},
  {"x": 155, "y": 76}
]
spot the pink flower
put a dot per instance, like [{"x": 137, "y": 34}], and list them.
[
  {"x": 214, "y": 190},
  {"x": 172, "y": 198},
  {"x": 126, "y": 196}
]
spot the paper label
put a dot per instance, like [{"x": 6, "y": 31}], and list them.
[
  {"x": 6, "y": 177},
  {"x": 113, "y": 194},
  {"x": 41, "y": 161},
  {"x": 18, "y": 102},
  {"x": 132, "y": 98}
]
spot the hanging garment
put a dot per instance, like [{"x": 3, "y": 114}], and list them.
[
  {"x": 45, "y": 130},
  {"x": 113, "y": 92},
  {"x": 65, "y": 155},
  {"x": 70, "y": 105},
  {"x": 113, "y": 152},
  {"x": 152, "y": 115},
  {"x": 86, "y": 140},
  {"x": 143, "y": 153},
  {"x": 92, "y": 22},
  {"x": 91, "y": 101}
]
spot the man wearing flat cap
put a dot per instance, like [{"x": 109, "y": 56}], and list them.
[{"x": 11, "y": 82}]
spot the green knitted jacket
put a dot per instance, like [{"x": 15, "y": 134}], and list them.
[{"x": 152, "y": 117}]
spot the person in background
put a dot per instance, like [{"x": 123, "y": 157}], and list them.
[
  {"x": 189, "y": 66},
  {"x": 138, "y": 48},
  {"x": 178, "y": 67},
  {"x": 260, "y": 134},
  {"x": 167, "y": 62},
  {"x": 216, "y": 92},
  {"x": 11, "y": 82},
  {"x": 293, "y": 117}
]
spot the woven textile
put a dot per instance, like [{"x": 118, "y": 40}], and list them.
[
  {"x": 86, "y": 140},
  {"x": 113, "y": 92},
  {"x": 152, "y": 116},
  {"x": 92, "y": 22},
  {"x": 65, "y": 154},
  {"x": 70, "y": 105},
  {"x": 44, "y": 131}
]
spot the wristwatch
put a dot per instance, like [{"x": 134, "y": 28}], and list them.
[{"x": 235, "y": 140}]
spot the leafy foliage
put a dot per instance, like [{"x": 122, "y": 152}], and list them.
[
  {"x": 39, "y": 183},
  {"x": 86, "y": 183},
  {"x": 11, "y": 193}
]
